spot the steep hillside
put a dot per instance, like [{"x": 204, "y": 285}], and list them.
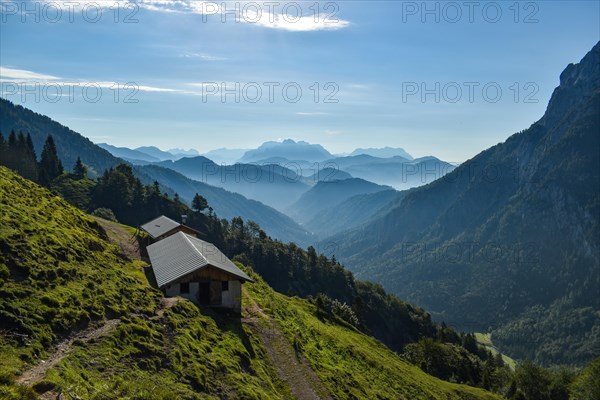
[
  {"x": 227, "y": 204},
  {"x": 69, "y": 144},
  {"x": 80, "y": 320},
  {"x": 326, "y": 194},
  {"x": 351, "y": 213},
  {"x": 350, "y": 364},
  {"x": 510, "y": 239}
]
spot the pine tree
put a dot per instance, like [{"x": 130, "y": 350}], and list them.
[
  {"x": 10, "y": 155},
  {"x": 12, "y": 139},
  {"x": 3, "y": 149},
  {"x": 199, "y": 203},
  {"x": 80, "y": 170},
  {"x": 29, "y": 160},
  {"x": 50, "y": 165},
  {"x": 16, "y": 155}
]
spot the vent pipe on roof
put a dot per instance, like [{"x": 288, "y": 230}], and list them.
[{"x": 184, "y": 218}]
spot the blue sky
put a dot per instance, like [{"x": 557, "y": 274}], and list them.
[{"x": 393, "y": 73}]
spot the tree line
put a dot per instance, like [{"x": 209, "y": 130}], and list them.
[{"x": 17, "y": 153}]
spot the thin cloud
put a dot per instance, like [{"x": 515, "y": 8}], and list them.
[
  {"x": 312, "y": 113},
  {"x": 11, "y": 74},
  {"x": 26, "y": 77},
  {"x": 301, "y": 24},
  {"x": 254, "y": 13},
  {"x": 205, "y": 56}
]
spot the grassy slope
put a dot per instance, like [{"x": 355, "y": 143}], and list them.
[
  {"x": 485, "y": 339},
  {"x": 350, "y": 364},
  {"x": 65, "y": 276}
]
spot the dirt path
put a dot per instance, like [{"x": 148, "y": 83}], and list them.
[
  {"x": 38, "y": 371},
  {"x": 117, "y": 234},
  {"x": 293, "y": 369}
]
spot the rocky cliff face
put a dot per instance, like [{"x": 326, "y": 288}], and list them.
[{"x": 578, "y": 83}]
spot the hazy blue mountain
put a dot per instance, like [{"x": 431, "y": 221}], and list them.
[
  {"x": 303, "y": 167},
  {"x": 225, "y": 156},
  {"x": 328, "y": 194},
  {"x": 272, "y": 184},
  {"x": 228, "y": 204},
  {"x": 193, "y": 167},
  {"x": 69, "y": 144},
  {"x": 287, "y": 149},
  {"x": 351, "y": 213},
  {"x": 179, "y": 153},
  {"x": 125, "y": 153},
  {"x": 398, "y": 172},
  {"x": 156, "y": 153},
  {"x": 510, "y": 240},
  {"x": 364, "y": 159},
  {"x": 327, "y": 175},
  {"x": 385, "y": 152}
]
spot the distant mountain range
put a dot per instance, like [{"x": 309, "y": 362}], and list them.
[
  {"x": 510, "y": 240},
  {"x": 385, "y": 152},
  {"x": 271, "y": 184},
  {"x": 398, "y": 172},
  {"x": 183, "y": 152},
  {"x": 289, "y": 150},
  {"x": 278, "y": 173},
  {"x": 156, "y": 153},
  {"x": 133, "y": 156},
  {"x": 225, "y": 156},
  {"x": 329, "y": 194}
]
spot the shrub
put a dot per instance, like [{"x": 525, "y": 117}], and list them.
[{"x": 105, "y": 213}]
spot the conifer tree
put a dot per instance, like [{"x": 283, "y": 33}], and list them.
[
  {"x": 80, "y": 170},
  {"x": 50, "y": 166},
  {"x": 17, "y": 155},
  {"x": 3, "y": 149},
  {"x": 10, "y": 159},
  {"x": 199, "y": 203},
  {"x": 28, "y": 159}
]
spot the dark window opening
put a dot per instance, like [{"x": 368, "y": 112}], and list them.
[
  {"x": 204, "y": 292},
  {"x": 225, "y": 285},
  {"x": 184, "y": 287}
]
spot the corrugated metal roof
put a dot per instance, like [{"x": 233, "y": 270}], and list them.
[
  {"x": 159, "y": 226},
  {"x": 181, "y": 254}
]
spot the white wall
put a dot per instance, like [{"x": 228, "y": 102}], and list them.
[{"x": 231, "y": 298}]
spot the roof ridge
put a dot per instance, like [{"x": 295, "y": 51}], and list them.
[{"x": 188, "y": 240}]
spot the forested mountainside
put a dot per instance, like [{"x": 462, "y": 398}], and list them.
[
  {"x": 69, "y": 143},
  {"x": 509, "y": 241}
]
